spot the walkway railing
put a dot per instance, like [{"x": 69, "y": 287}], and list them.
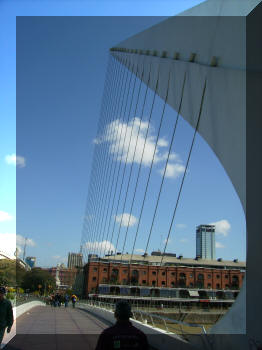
[
  {"x": 156, "y": 321},
  {"x": 22, "y": 299}
]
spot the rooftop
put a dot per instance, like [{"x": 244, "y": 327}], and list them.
[{"x": 149, "y": 259}]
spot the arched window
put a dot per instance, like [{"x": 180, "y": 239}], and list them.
[
  {"x": 182, "y": 280},
  {"x": 114, "y": 276},
  {"x": 134, "y": 277},
  {"x": 200, "y": 280},
  {"x": 235, "y": 282}
]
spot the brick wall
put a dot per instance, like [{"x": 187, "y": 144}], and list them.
[{"x": 169, "y": 276}]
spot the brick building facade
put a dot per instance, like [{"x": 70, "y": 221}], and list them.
[
  {"x": 66, "y": 276},
  {"x": 187, "y": 273}
]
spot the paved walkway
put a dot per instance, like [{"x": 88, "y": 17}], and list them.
[{"x": 44, "y": 327}]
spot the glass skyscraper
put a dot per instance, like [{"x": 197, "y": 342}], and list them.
[
  {"x": 74, "y": 260},
  {"x": 205, "y": 242}
]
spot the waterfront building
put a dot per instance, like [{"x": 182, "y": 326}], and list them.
[
  {"x": 147, "y": 273},
  {"x": 205, "y": 242}
]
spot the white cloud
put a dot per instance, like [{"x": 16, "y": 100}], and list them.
[
  {"x": 4, "y": 216},
  {"x": 173, "y": 170},
  {"x": 181, "y": 225},
  {"x": 139, "y": 250},
  {"x": 89, "y": 217},
  {"x": 59, "y": 259},
  {"x": 126, "y": 219},
  {"x": 183, "y": 240},
  {"x": 219, "y": 245},
  {"x": 20, "y": 241},
  {"x": 115, "y": 135},
  {"x": 14, "y": 159},
  {"x": 8, "y": 244},
  {"x": 104, "y": 246},
  {"x": 97, "y": 141},
  {"x": 11, "y": 241},
  {"x": 222, "y": 227},
  {"x": 162, "y": 142}
]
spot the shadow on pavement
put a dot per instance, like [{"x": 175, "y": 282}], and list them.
[{"x": 53, "y": 342}]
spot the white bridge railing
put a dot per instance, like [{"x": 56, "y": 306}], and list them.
[{"x": 156, "y": 321}]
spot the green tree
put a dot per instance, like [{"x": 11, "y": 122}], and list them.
[{"x": 38, "y": 280}]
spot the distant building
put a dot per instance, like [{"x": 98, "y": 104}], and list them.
[
  {"x": 148, "y": 274},
  {"x": 74, "y": 260},
  {"x": 65, "y": 278},
  {"x": 205, "y": 242},
  {"x": 31, "y": 261}
]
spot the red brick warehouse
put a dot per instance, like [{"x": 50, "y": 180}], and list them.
[{"x": 174, "y": 273}]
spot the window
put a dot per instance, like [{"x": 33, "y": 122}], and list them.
[
  {"x": 227, "y": 286},
  {"x": 153, "y": 283},
  {"x": 163, "y": 283},
  {"x": 125, "y": 271},
  {"x": 218, "y": 276},
  {"x": 154, "y": 273},
  {"x": 191, "y": 285},
  {"x": 173, "y": 273},
  {"x": 163, "y": 273},
  {"x": 94, "y": 278},
  {"x": 209, "y": 285},
  {"x": 144, "y": 282},
  {"x": 218, "y": 286},
  {"x": 124, "y": 281},
  {"x": 95, "y": 269},
  {"x": 191, "y": 275},
  {"x": 104, "y": 279},
  {"x": 226, "y": 276},
  {"x": 172, "y": 284},
  {"x": 105, "y": 270},
  {"x": 144, "y": 272},
  {"x": 209, "y": 276}
]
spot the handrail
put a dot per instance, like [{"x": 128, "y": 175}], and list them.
[{"x": 151, "y": 316}]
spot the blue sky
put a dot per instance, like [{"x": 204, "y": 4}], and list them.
[{"x": 61, "y": 63}]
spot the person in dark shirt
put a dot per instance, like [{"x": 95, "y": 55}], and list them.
[
  {"x": 6, "y": 314},
  {"x": 123, "y": 335}
]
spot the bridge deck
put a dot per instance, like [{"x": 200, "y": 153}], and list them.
[{"x": 50, "y": 328}]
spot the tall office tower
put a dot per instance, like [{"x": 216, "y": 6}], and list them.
[
  {"x": 30, "y": 260},
  {"x": 205, "y": 242},
  {"x": 74, "y": 260}
]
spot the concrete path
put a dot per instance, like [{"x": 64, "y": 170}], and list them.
[{"x": 44, "y": 327}]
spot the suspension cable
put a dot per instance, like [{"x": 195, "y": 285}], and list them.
[
  {"x": 187, "y": 163},
  {"x": 132, "y": 164}
]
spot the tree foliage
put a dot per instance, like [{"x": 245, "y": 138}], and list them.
[
  {"x": 38, "y": 280},
  {"x": 11, "y": 273}
]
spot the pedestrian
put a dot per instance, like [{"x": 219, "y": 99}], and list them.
[
  {"x": 66, "y": 300},
  {"x": 60, "y": 299},
  {"x": 56, "y": 300},
  {"x": 73, "y": 299},
  {"x": 6, "y": 314},
  {"x": 123, "y": 335}
]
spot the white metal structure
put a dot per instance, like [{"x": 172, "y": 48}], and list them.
[{"x": 208, "y": 44}]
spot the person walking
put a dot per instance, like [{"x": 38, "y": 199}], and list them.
[
  {"x": 66, "y": 300},
  {"x": 6, "y": 314},
  {"x": 73, "y": 299},
  {"x": 56, "y": 300},
  {"x": 123, "y": 335}
]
